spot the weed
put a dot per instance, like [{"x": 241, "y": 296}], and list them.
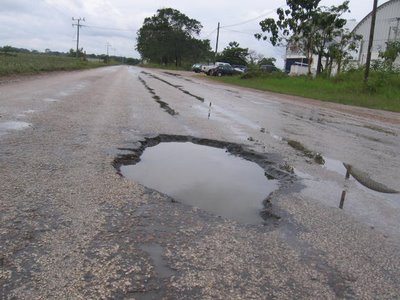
[
  {"x": 28, "y": 63},
  {"x": 381, "y": 92}
]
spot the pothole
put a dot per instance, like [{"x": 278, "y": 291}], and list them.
[{"x": 225, "y": 179}]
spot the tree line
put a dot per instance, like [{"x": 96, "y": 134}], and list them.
[
  {"x": 171, "y": 37},
  {"x": 10, "y": 50}
]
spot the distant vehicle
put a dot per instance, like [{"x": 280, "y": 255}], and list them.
[
  {"x": 239, "y": 69},
  {"x": 268, "y": 68},
  {"x": 222, "y": 70},
  {"x": 207, "y": 68},
  {"x": 196, "y": 68}
]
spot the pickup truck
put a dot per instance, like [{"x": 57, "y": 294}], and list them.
[{"x": 207, "y": 68}]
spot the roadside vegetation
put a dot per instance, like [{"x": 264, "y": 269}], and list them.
[
  {"x": 381, "y": 92},
  {"x": 315, "y": 33},
  {"x": 22, "y": 61}
]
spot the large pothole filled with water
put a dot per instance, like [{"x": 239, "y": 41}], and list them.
[{"x": 222, "y": 178}]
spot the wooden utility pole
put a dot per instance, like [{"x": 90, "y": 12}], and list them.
[
  {"x": 108, "y": 45},
  {"x": 77, "y": 33},
  {"x": 216, "y": 45},
  {"x": 370, "y": 42}
]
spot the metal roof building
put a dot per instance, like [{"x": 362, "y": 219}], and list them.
[{"x": 387, "y": 28}]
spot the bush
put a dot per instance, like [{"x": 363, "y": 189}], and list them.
[{"x": 260, "y": 74}]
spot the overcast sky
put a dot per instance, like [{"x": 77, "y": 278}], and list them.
[{"x": 41, "y": 24}]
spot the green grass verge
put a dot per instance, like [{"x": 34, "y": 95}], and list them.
[
  {"x": 27, "y": 63},
  {"x": 381, "y": 92}
]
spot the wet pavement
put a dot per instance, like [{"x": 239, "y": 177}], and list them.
[{"x": 73, "y": 228}]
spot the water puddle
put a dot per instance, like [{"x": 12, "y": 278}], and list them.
[
  {"x": 12, "y": 125},
  {"x": 207, "y": 177},
  {"x": 155, "y": 252},
  {"x": 335, "y": 166},
  {"x": 362, "y": 178}
]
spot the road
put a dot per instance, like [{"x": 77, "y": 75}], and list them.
[{"x": 73, "y": 228}]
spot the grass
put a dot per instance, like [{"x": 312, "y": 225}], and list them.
[
  {"x": 28, "y": 63},
  {"x": 171, "y": 67},
  {"x": 381, "y": 92}
]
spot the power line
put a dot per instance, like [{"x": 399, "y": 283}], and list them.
[
  {"x": 253, "y": 19},
  {"x": 238, "y": 31},
  {"x": 107, "y": 28},
  {"x": 210, "y": 33}
]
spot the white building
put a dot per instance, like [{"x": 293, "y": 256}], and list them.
[{"x": 386, "y": 29}]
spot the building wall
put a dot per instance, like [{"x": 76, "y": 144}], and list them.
[{"x": 387, "y": 28}]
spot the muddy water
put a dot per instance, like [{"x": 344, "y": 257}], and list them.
[
  {"x": 155, "y": 252},
  {"x": 205, "y": 177}
]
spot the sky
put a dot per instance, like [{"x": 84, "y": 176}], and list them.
[{"x": 47, "y": 24}]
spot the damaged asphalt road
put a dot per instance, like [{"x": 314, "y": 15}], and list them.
[{"x": 73, "y": 228}]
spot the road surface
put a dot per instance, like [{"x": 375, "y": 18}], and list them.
[{"x": 73, "y": 228}]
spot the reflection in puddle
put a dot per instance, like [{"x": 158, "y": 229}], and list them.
[
  {"x": 362, "y": 177},
  {"x": 335, "y": 165},
  {"x": 205, "y": 177},
  {"x": 12, "y": 125}
]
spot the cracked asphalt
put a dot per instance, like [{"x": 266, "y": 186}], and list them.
[{"x": 73, "y": 228}]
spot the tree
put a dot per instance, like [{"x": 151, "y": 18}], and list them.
[
  {"x": 72, "y": 53},
  {"x": 254, "y": 57},
  {"x": 391, "y": 52},
  {"x": 305, "y": 25},
  {"x": 294, "y": 24},
  {"x": 234, "y": 54},
  {"x": 341, "y": 48},
  {"x": 329, "y": 26},
  {"x": 267, "y": 61},
  {"x": 8, "y": 49},
  {"x": 169, "y": 37}
]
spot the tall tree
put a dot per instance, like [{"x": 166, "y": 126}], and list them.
[
  {"x": 294, "y": 24},
  {"x": 234, "y": 54},
  {"x": 329, "y": 26},
  {"x": 169, "y": 36}
]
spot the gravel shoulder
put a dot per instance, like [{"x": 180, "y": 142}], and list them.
[{"x": 72, "y": 228}]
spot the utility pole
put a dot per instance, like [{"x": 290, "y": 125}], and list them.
[
  {"x": 78, "y": 25},
  {"x": 370, "y": 42},
  {"x": 216, "y": 45},
  {"x": 108, "y": 45}
]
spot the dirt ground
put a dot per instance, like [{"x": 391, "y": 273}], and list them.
[{"x": 73, "y": 228}]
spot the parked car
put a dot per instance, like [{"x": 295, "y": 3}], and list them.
[
  {"x": 268, "y": 68},
  {"x": 222, "y": 70},
  {"x": 207, "y": 68},
  {"x": 196, "y": 68},
  {"x": 239, "y": 69}
]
